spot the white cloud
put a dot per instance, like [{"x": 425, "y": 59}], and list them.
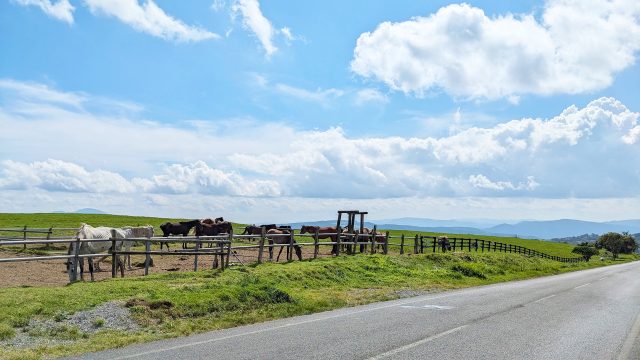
[
  {"x": 254, "y": 20},
  {"x": 62, "y": 176},
  {"x": 320, "y": 95},
  {"x": 584, "y": 152},
  {"x": 576, "y": 47},
  {"x": 56, "y": 175},
  {"x": 200, "y": 178},
  {"x": 61, "y": 10},
  {"x": 365, "y": 96},
  {"x": 481, "y": 181},
  {"x": 151, "y": 19}
]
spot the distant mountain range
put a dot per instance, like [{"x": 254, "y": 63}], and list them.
[
  {"x": 551, "y": 229},
  {"x": 82, "y": 211}
]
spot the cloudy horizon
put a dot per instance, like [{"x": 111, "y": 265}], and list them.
[{"x": 524, "y": 118}]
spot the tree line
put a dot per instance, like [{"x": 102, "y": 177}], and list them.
[{"x": 613, "y": 242}]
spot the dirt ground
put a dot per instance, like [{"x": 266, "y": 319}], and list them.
[{"x": 54, "y": 272}]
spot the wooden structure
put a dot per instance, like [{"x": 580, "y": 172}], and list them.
[{"x": 351, "y": 219}]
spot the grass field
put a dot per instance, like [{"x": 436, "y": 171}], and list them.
[
  {"x": 46, "y": 220},
  {"x": 189, "y": 302}
]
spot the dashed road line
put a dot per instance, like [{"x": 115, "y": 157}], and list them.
[{"x": 417, "y": 343}]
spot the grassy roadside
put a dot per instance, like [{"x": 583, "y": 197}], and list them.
[{"x": 184, "y": 303}]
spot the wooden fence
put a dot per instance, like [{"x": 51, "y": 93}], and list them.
[{"x": 225, "y": 247}]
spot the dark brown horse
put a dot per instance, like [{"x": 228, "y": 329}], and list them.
[
  {"x": 179, "y": 228},
  {"x": 223, "y": 227},
  {"x": 444, "y": 243},
  {"x": 324, "y": 232},
  {"x": 210, "y": 221},
  {"x": 276, "y": 236}
]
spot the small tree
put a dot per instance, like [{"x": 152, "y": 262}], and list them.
[
  {"x": 630, "y": 245},
  {"x": 613, "y": 242},
  {"x": 586, "y": 250}
]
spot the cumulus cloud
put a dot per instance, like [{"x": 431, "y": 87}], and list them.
[
  {"x": 583, "y": 152},
  {"x": 61, "y": 10},
  {"x": 151, "y": 19},
  {"x": 62, "y": 176},
  {"x": 200, "y": 178},
  {"x": 56, "y": 175},
  {"x": 575, "y": 47},
  {"x": 481, "y": 181}
]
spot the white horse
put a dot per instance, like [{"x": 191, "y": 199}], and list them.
[
  {"x": 135, "y": 232},
  {"x": 87, "y": 233}
]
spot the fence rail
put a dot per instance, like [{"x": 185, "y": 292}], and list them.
[{"x": 223, "y": 247}]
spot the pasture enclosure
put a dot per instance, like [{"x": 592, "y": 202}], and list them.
[{"x": 234, "y": 249}]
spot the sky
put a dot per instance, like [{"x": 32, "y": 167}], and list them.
[{"x": 279, "y": 111}]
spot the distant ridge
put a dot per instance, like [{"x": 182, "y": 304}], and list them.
[
  {"x": 89, "y": 211},
  {"x": 81, "y": 211},
  {"x": 546, "y": 230}
]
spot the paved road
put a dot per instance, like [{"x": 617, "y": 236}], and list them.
[{"x": 591, "y": 314}]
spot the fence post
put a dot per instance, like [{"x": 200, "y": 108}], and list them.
[
  {"x": 24, "y": 237},
  {"x": 434, "y": 243},
  {"x": 316, "y": 246},
  {"x": 386, "y": 243},
  {"x": 73, "y": 262},
  {"x": 48, "y": 246},
  {"x": 290, "y": 247},
  {"x": 229, "y": 248},
  {"x": 454, "y": 244},
  {"x": 147, "y": 256},
  {"x": 338, "y": 240},
  {"x": 415, "y": 244},
  {"x": 113, "y": 254},
  {"x": 197, "y": 251},
  {"x": 261, "y": 245},
  {"x": 373, "y": 242},
  {"x": 401, "y": 244}
]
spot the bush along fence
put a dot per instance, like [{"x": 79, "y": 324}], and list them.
[{"x": 230, "y": 249}]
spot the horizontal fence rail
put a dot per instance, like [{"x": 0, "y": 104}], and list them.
[{"x": 225, "y": 246}]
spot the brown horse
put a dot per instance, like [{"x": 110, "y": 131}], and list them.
[
  {"x": 443, "y": 241},
  {"x": 210, "y": 221},
  {"x": 324, "y": 232},
  {"x": 275, "y": 237}
]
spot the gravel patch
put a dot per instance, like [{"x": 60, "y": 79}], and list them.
[{"x": 108, "y": 316}]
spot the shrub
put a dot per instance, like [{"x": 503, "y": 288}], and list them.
[
  {"x": 6, "y": 331},
  {"x": 467, "y": 270},
  {"x": 587, "y": 251}
]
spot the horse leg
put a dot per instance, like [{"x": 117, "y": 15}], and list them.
[
  {"x": 121, "y": 264},
  {"x": 270, "y": 250},
  {"x": 298, "y": 252},
  {"x": 281, "y": 248}
]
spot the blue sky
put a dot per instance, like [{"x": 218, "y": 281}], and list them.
[{"x": 279, "y": 110}]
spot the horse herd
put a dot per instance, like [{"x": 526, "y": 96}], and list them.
[{"x": 274, "y": 234}]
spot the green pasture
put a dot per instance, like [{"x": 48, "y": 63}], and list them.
[{"x": 63, "y": 220}]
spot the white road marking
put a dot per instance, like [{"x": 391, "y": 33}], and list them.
[
  {"x": 417, "y": 343},
  {"x": 545, "y": 298},
  {"x": 602, "y": 278},
  {"x": 583, "y": 285}
]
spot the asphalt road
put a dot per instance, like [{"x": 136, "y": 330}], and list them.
[{"x": 591, "y": 314}]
